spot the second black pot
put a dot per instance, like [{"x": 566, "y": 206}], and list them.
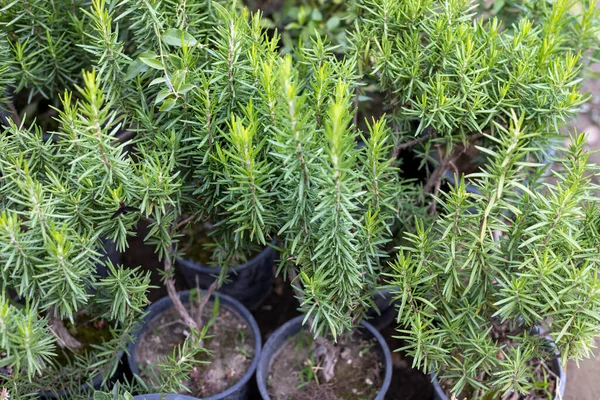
[
  {"x": 108, "y": 252},
  {"x": 249, "y": 283},
  {"x": 238, "y": 391},
  {"x": 279, "y": 338},
  {"x": 439, "y": 394}
]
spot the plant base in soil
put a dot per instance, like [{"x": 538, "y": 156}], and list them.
[
  {"x": 294, "y": 372},
  {"x": 230, "y": 345}
]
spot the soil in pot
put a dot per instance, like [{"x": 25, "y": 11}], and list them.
[
  {"x": 199, "y": 247},
  {"x": 294, "y": 372},
  {"x": 231, "y": 347}
]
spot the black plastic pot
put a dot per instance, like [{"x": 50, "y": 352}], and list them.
[
  {"x": 278, "y": 339},
  {"x": 239, "y": 390},
  {"x": 387, "y": 311},
  {"x": 250, "y": 283},
  {"x": 439, "y": 394}
]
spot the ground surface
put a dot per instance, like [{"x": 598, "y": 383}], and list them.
[{"x": 583, "y": 383}]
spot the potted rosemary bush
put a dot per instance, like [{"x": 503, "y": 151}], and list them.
[
  {"x": 178, "y": 93},
  {"x": 493, "y": 304},
  {"x": 68, "y": 309},
  {"x": 43, "y": 53},
  {"x": 60, "y": 196},
  {"x": 63, "y": 325},
  {"x": 260, "y": 148},
  {"x": 449, "y": 72}
]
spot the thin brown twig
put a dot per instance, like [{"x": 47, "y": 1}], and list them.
[
  {"x": 62, "y": 334},
  {"x": 185, "y": 221},
  {"x": 174, "y": 296},
  {"x": 438, "y": 172},
  {"x": 433, "y": 204},
  {"x": 202, "y": 301},
  {"x": 406, "y": 145},
  {"x": 549, "y": 370},
  {"x": 170, "y": 323}
]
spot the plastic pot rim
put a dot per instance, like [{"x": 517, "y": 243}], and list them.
[
  {"x": 165, "y": 304},
  {"x": 268, "y": 251},
  {"x": 156, "y": 396},
  {"x": 558, "y": 394}
]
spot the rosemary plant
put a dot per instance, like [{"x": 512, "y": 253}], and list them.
[
  {"x": 46, "y": 44},
  {"x": 450, "y": 72},
  {"x": 263, "y": 148},
  {"x": 505, "y": 280},
  {"x": 58, "y": 198},
  {"x": 268, "y": 149}
]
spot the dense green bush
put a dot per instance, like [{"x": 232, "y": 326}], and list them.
[
  {"x": 57, "y": 201},
  {"x": 484, "y": 287},
  {"x": 215, "y": 125}
]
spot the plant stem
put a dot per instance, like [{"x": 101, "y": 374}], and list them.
[
  {"x": 438, "y": 172},
  {"x": 185, "y": 221},
  {"x": 326, "y": 351},
  {"x": 406, "y": 145},
  {"x": 174, "y": 296},
  {"x": 202, "y": 301},
  {"x": 15, "y": 114},
  {"x": 62, "y": 334}
]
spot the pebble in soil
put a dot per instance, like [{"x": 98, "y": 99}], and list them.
[
  {"x": 231, "y": 347},
  {"x": 294, "y": 373}
]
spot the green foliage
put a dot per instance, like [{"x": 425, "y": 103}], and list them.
[
  {"x": 299, "y": 21},
  {"x": 583, "y": 24},
  {"x": 170, "y": 372},
  {"x": 244, "y": 139},
  {"x": 223, "y": 130},
  {"x": 44, "y": 43},
  {"x": 6, "y": 71},
  {"x": 114, "y": 395},
  {"x": 448, "y": 75},
  {"x": 58, "y": 197},
  {"x": 474, "y": 285},
  {"x": 24, "y": 338}
]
